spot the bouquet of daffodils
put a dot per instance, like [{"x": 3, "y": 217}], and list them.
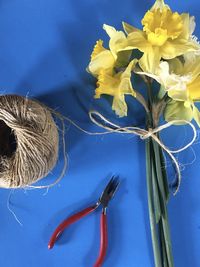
[{"x": 169, "y": 56}]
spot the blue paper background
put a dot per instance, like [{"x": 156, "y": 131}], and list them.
[{"x": 44, "y": 49}]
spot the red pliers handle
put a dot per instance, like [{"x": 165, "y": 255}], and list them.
[
  {"x": 61, "y": 227},
  {"x": 104, "y": 239},
  {"x": 103, "y": 242}
]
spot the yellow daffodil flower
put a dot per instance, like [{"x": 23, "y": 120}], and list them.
[
  {"x": 102, "y": 58},
  {"x": 181, "y": 81},
  {"x": 118, "y": 86},
  {"x": 165, "y": 35}
]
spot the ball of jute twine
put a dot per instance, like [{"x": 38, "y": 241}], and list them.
[{"x": 28, "y": 141}]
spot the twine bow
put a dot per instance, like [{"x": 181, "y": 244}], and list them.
[{"x": 145, "y": 134}]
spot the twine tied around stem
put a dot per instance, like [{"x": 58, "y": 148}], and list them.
[{"x": 145, "y": 134}]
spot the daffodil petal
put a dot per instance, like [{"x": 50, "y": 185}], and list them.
[
  {"x": 186, "y": 26},
  {"x": 149, "y": 74},
  {"x": 173, "y": 82},
  {"x": 176, "y": 110},
  {"x": 194, "y": 89},
  {"x": 129, "y": 28},
  {"x": 159, "y": 4},
  {"x": 128, "y": 70},
  {"x": 175, "y": 85},
  {"x": 118, "y": 40},
  {"x": 177, "y": 47},
  {"x": 196, "y": 115},
  {"x": 111, "y": 31},
  {"x": 137, "y": 40},
  {"x": 103, "y": 60},
  {"x": 98, "y": 48},
  {"x": 192, "y": 25},
  {"x": 150, "y": 59},
  {"x": 192, "y": 66},
  {"x": 119, "y": 106},
  {"x": 126, "y": 85},
  {"x": 178, "y": 95},
  {"x": 190, "y": 57},
  {"x": 107, "y": 84},
  {"x": 118, "y": 43}
]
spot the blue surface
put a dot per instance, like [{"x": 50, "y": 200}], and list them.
[{"x": 44, "y": 50}]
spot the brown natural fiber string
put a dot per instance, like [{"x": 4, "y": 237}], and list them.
[
  {"x": 98, "y": 119},
  {"x": 28, "y": 142}
]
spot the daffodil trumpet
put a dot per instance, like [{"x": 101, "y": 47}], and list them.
[{"x": 169, "y": 55}]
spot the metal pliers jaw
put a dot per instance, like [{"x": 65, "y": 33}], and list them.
[
  {"x": 108, "y": 193},
  {"x": 104, "y": 199}
]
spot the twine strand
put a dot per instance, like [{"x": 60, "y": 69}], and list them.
[
  {"x": 145, "y": 134},
  {"x": 111, "y": 127}
]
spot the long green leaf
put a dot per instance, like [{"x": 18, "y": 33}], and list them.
[
  {"x": 164, "y": 173},
  {"x": 153, "y": 226},
  {"x": 163, "y": 247},
  {"x": 156, "y": 195},
  {"x": 163, "y": 201},
  {"x": 160, "y": 178}
]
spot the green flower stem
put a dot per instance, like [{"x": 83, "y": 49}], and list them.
[
  {"x": 158, "y": 195},
  {"x": 163, "y": 189},
  {"x": 164, "y": 255},
  {"x": 164, "y": 172},
  {"x": 155, "y": 242}
]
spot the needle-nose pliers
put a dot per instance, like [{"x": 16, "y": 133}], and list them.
[{"x": 104, "y": 199}]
